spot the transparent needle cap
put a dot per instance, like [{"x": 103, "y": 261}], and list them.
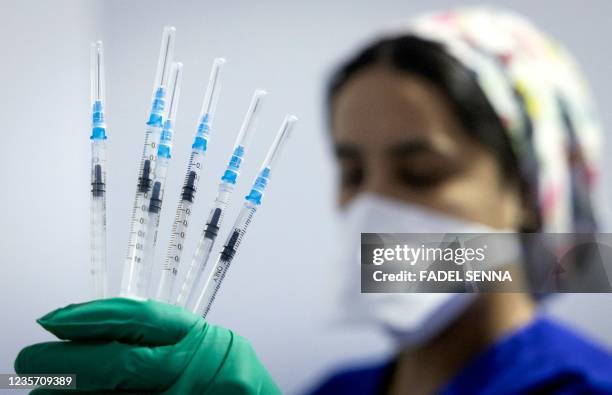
[
  {"x": 212, "y": 91},
  {"x": 161, "y": 77},
  {"x": 97, "y": 92},
  {"x": 174, "y": 90},
  {"x": 165, "y": 58},
  {"x": 97, "y": 73},
  {"x": 258, "y": 189},
  {"x": 246, "y": 130},
  {"x": 279, "y": 141},
  {"x": 249, "y": 122}
]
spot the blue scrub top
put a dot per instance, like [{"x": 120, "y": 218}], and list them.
[{"x": 544, "y": 358}]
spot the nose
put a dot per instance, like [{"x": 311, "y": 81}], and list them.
[{"x": 379, "y": 180}]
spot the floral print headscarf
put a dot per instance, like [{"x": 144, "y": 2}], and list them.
[{"x": 538, "y": 92}]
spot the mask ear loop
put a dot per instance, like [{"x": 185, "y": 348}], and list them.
[
  {"x": 528, "y": 169},
  {"x": 585, "y": 258},
  {"x": 582, "y": 209},
  {"x": 541, "y": 269}
]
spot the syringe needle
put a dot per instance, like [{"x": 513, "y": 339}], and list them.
[
  {"x": 99, "y": 75},
  {"x": 98, "y": 172},
  {"x": 180, "y": 225},
  {"x": 279, "y": 141},
  {"x": 97, "y": 72},
  {"x": 165, "y": 56},
  {"x": 251, "y": 202},
  {"x": 248, "y": 124},
  {"x": 212, "y": 90},
  {"x": 224, "y": 193},
  {"x": 133, "y": 259}
]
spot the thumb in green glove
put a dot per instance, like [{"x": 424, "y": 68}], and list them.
[{"x": 126, "y": 345}]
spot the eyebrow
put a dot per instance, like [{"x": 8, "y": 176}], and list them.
[
  {"x": 346, "y": 151},
  {"x": 416, "y": 147}
]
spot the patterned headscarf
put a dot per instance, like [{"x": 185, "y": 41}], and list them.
[{"x": 537, "y": 90}]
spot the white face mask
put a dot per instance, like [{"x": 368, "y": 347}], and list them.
[{"x": 412, "y": 318}]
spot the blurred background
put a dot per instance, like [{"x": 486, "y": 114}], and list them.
[{"x": 281, "y": 290}]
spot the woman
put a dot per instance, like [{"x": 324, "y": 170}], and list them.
[
  {"x": 463, "y": 121},
  {"x": 469, "y": 120}
]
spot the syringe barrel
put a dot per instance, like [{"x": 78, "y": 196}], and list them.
[
  {"x": 156, "y": 198},
  {"x": 98, "y": 246},
  {"x": 136, "y": 243},
  {"x": 244, "y": 219},
  {"x": 98, "y": 216},
  {"x": 228, "y": 253},
  {"x": 175, "y": 251},
  {"x": 180, "y": 226},
  {"x": 193, "y": 278},
  {"x": 140, "y": 209},
  {"x": 145, "y": 271},
  {"x": 205, "y": 244},
  {"x": 224, "y": 194}
]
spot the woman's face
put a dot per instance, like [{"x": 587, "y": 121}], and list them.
[{"x": 396, "y": 135}]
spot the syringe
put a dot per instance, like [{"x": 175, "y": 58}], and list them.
[
  {"x": 251, "y": 202},
  {"x": 164, "y": 153},
  {"x": 224, "y": 193},
  {"x": 190, "y": 186},
  {"x": 98, "y": 172},
  {"x": 133, "y": 259}
]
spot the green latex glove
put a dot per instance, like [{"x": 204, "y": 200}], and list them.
[{"x": 132, "y": 346}]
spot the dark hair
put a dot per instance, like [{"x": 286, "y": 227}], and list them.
[{"x": 428, "y": 60}]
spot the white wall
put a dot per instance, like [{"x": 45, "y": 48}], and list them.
[{"x": 275, "y": 295}]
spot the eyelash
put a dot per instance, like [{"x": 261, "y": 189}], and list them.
[
  {"x": 421, "y": 181},
  {"x": 351, "y": 178}
]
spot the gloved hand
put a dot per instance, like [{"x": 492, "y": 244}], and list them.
[{"x": 126, "y": 345}]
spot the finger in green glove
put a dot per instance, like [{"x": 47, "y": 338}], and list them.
[{"x": 145, "y": 346}]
